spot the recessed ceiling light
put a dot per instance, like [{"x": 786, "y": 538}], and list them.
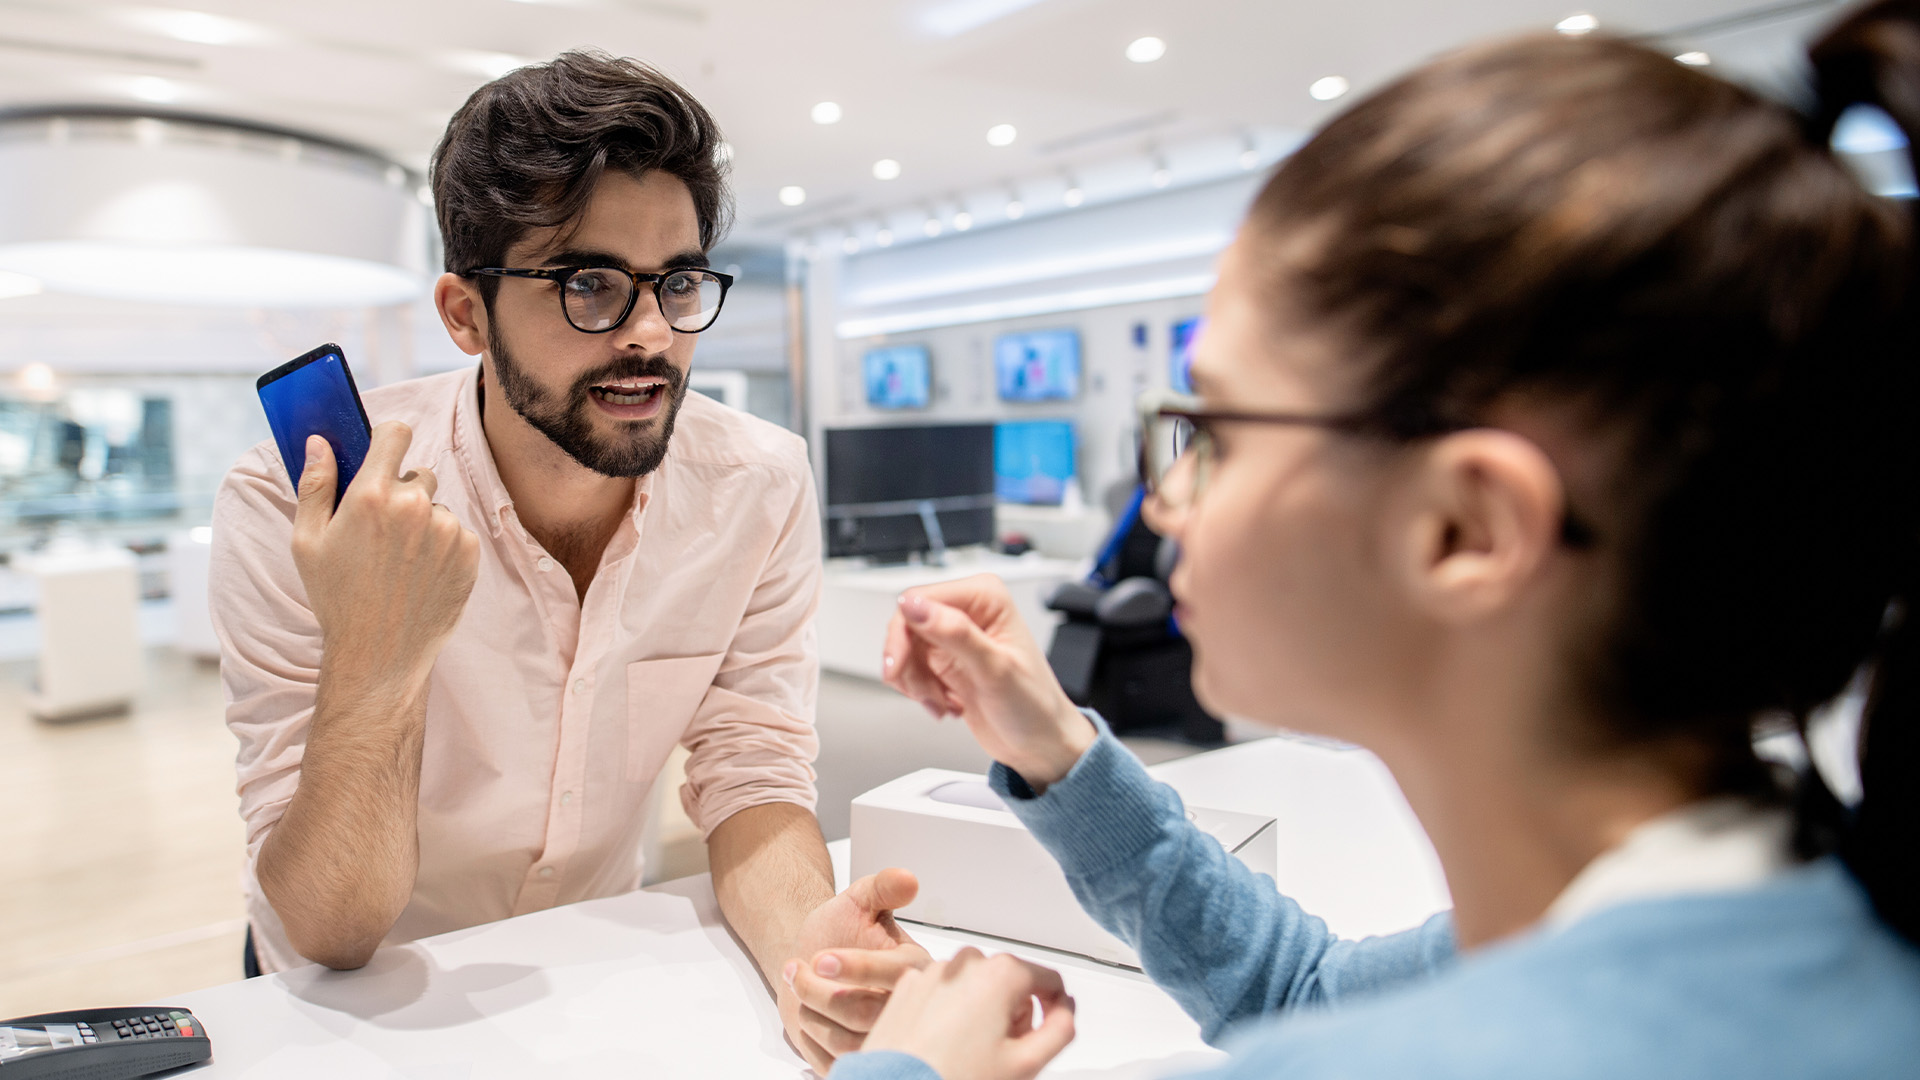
[
  {"x": 195, "y": 26},
  {"x": 12, "y": 285},
  {"x": 931, "y": 227},
  {"x": 851, "y": 244},
  {"x": 1016, "y": 209},
  {"x": 886, "y": 169},
  {"x": 1161, "y": 177},
  {"x": 792, "y": 195},
  {"x": 827, "y": 112},
  {"x": 1327, "y": 89},
  {"x": 155, "y": 89},
  {"x": 962, "y": 221},
  {"x": 1695, "y": 58},
  {"x": 1001, "y": 135},
  {"x": 36, "y": 377},
  {"x": 1074, "y": 196},
  {"x": 1577, "y": 24},
  {"x": 1249, "y": 159},
  {"x": 883, "y": 238},
  {"x": 1146, "y": 50}
]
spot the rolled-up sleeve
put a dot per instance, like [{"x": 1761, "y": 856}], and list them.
[
  {"x": 269, "y": 639},
  {"x": 752, "y": 741}
]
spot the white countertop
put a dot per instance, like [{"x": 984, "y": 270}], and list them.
[{"x": 652, "y": 984}]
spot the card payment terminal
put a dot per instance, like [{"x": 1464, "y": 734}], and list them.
[{"x": 101, "y": 1044}]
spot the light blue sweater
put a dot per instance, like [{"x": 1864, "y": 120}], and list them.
[{"x": 1795, "y": 978}]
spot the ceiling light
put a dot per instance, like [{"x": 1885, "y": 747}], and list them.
[
  {"x": 1327, "y": 89},
  {"x": 886, "y": 169},
  {"x": 36, "y": 378},
  {"x": 1146, "y": 50},
  {"x": 1577, "y": 24},
  {"x": 1249, "y": 159},
  {"x": 883, "y": 238},
  {"x": 1161, "y": 177},
  {"x": 1001, "y": 135},
  {"x": 850, "y": 244},
  {"x": 1695, "y": 58},
  {"x": 1015, "y": 209},
  {"x": 931, "y": 226},
  {"x": 827, "y": 112},
  {"x": 153, "y": 88},
  {"x": 962, "y": 221},
  {"x": 489, "y": 64},
  {"x": 792, "y": 195},
  {"x": 959, "y": 16},
  {"x": 195, "y": 26},
  {"x": 12, "y": 285},
  {"x": 1074, "y": 196}
]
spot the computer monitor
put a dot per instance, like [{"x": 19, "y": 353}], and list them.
[
  {"x": 894, "y": 491},
  {"x": 899, "y": 377},
  {"x": 1186, "y": 333},
  {"x": 1039, "y": 365},
  {"x": 1033, "y": 461}
]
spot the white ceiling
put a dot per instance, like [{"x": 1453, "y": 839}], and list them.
[{"x": 387, "y": 73}]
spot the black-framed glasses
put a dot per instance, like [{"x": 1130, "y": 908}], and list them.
[
  {"x": 1177, "y": 448},
  {"x": 597, "y": 299}
]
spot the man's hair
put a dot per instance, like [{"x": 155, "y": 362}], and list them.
[{"x": 527, "y": 150}]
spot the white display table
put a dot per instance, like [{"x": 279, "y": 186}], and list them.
[{"x": 652, "y": 984}]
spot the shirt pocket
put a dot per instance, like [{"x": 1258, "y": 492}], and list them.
[{"x": 662, "y": 696}]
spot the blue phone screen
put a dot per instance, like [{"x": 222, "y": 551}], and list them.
[{"x": 317, "y": 399}]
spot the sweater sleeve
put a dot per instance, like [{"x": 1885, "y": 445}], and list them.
[
  {"x": 882, "y": 1065},
  {"x": 1216, "y": 936}
]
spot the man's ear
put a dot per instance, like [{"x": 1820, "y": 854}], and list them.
[
  {"x": 462, "y": 311},
  {"x": 1487, "y": 510}
]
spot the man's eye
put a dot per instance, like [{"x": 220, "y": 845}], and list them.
[{"x": 682, "y": 284}]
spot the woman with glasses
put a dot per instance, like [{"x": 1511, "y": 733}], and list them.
[{"x": 1553, "y": 437}]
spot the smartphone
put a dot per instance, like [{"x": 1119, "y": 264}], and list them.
[{"x": 314, "y": 395}]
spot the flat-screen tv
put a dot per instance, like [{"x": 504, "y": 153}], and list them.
[
  {"x": 1039, "y": 365},
  {"x": 899, "y": 377},
  {"x": 1186, "y": 334},
  {"x": 1033, "y": 461},
  {"x": 884, "y": 482}
]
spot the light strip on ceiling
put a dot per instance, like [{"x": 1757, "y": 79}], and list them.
[
  {"x": 959, "y": 16},
  {"x": 1053, "y": 304},
  {"x": 1031, "y": 270}
]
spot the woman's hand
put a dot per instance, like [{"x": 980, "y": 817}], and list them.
[
  {"x": 972, "y": 1017},
  {"x": 960, "y": 647}
]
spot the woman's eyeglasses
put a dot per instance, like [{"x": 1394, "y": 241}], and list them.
[
  {"x": 1177, "y": 448},
  {"x": 597, "y": 299}
]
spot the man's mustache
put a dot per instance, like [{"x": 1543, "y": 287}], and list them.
[{"x": 630, "y": 367}]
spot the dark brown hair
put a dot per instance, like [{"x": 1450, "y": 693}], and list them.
[
  {"x": 1587, "y": 219},
  {"x": 528, "y": 148}
]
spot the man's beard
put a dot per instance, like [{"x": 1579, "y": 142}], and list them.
[{"x": 567, "y": 418}]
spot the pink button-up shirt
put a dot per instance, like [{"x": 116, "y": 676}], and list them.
[{"x": 548, "y": 716}]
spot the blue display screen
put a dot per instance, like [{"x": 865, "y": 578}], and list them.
[
  {"x": 1186, "y": 334},
  {"x": 1040, "y": 366},
  {"x": 317, "y": 398},
  {"x": 900, "y": 377},
  {"x": 1032, "y": 461}
]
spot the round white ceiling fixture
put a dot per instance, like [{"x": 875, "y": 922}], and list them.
[
  {"x": 1146, "y": 50},
  {"x": 886, "y": 169},
  {"x": 1329, "y": 88},
  {"x": 198, "y": 210},
  {"x": 827, "y": 112},
  {"x": 1578, "y": 23},
  {"x": 792, "y": 195},
  {"x": 1001, "y": 135}
]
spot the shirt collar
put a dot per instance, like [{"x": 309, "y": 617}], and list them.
[
  {"x": 1718, "y": 845},
  {"x": 476, "y": 455}
]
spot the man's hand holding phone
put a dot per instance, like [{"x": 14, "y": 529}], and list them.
[{"x": 388, "y": 572}]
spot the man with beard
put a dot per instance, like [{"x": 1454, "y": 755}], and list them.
[{"x": 454, "y": 692}]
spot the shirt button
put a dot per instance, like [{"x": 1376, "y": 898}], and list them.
[
  {"x": 579, "y": 686},
  {"x": 566, "y": 797},
  {"x": 546, "y": 564},
  {"x": 546, "y": 871}
]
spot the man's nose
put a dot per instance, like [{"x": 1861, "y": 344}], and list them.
[{"x": 646, "y": 328}]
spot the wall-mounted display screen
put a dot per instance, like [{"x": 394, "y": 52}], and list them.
[
  {"x": 1041, "y": 365},
  {"x": 1186, "y": 334},
  {"x": 899, "y": 377},
  {"x": 1033, "y": 461}
]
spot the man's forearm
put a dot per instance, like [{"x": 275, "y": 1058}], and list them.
[
  {"x": 770, "y": 871},
  {"x": 339, "y": 866}
]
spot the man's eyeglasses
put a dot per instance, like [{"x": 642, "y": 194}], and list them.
[
  {"x": 1177, "y": 448},
  {"x": 597, "y": 299}
]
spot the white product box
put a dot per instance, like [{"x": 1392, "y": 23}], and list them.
[{"x": 981, "y": 870}]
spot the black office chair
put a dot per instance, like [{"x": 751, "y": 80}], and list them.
[{"x": 1119, "y": 650}]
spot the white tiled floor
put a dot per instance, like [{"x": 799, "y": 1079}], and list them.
[{"x": 122, "y": 882}]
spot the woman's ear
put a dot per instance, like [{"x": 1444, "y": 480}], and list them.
[
  {"x": 1486, "y": 510},
  {"x": 462, "y": 311}
]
